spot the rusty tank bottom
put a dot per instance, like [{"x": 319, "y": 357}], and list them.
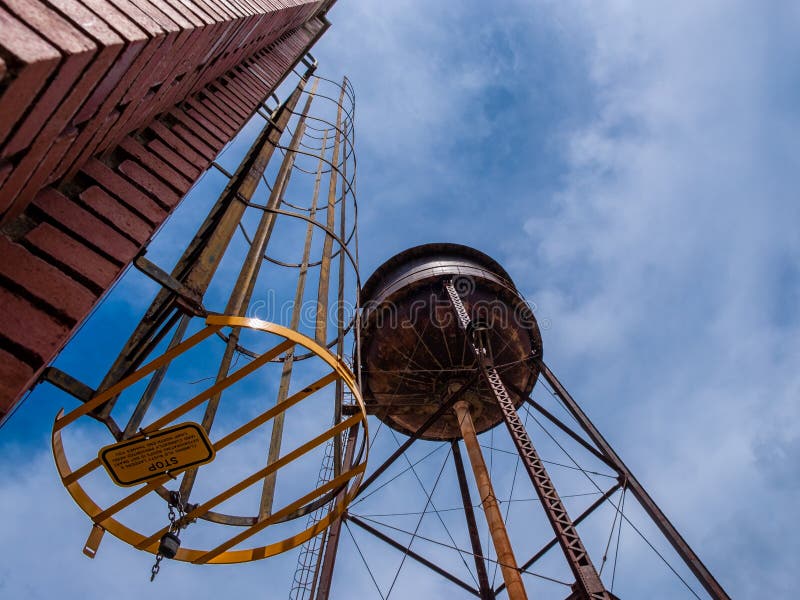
[{"x": 414, "y": 355}]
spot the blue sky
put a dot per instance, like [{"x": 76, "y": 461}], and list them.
[{"x": 635, "y": 168}]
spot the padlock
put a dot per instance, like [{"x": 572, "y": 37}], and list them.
[{"x": 168, "y": 547}]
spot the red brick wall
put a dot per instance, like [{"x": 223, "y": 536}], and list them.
[{"x": 106, "y": 121}]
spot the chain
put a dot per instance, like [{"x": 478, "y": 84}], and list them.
[
  {"x": 175, "y": 525},
  {"x": 156, "y": 567}
]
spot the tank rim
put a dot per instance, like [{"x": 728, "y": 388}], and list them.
[{"x": 368, "y": 289}]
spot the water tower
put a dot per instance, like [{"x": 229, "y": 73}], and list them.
[
  {"x": 440, "y": 345},
  {"x": 449, "y": 349}
]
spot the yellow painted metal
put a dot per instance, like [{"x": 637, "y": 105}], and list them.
[
  {"x": 93, "y": 541},
  {"x": 247, "y": 427},
  {"x": 173, "y": 449},
  {"x": 134, "y": 377},
  {"x": 260, "y": 474},
  {"x": 349, "y": 481},
  {"x": 228, "y": 439}
]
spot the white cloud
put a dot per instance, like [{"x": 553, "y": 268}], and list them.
[
  {"x": 665, "y": 259},
  {"x": 676, "y": 220}
]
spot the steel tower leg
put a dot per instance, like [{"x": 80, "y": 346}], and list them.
[
  {"x": 328, "y": 553},
  {"x": 588, "y": 582},
  {"x": 683, "y": 549},
  {"x": 587, "y": 578},
  {"x": 497, "y": 528},
  {"x": 472, "y": 525}
]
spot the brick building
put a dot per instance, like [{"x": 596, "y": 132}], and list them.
[{"x": 110, "y": 110}]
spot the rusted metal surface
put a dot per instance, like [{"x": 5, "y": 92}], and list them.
[
  {"x": 441, "y": 412},
  {"x": 398, "y": 392},
  {"x": 700, "y": 571},
  {"x": 411, "y": 352},
  {"x": 331, "y": 547},
  {"x": 491, "y": 507},
  {"x": 586, "y": 577},
  {"x": 486, "y": 592},
  {"x": 578, "y": 520}
]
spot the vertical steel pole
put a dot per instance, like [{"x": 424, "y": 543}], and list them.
[
  {"x": 337, "y": 442},
  {"x": 587, "y": 579},
  {"x": 497, "y": 528},
  {"x": 276, "y": 435},
  {"x": 472, "y": 525},
  {"x": 245, "y": 283},
  {"x": 335, "y": 530},
  {"x": 152, "y": 386},
  {"x": 327, "y": 248}
]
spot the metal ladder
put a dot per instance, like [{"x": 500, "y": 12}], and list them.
[{"x": 307, "y": 571}]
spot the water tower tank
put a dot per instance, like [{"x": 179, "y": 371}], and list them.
[{"x": 413, "y": 350}]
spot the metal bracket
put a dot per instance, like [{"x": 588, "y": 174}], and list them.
[
  {"x": 190, "y": 301},
  {"x": 68, "y": 383},
  {"x": 79, "y": 390},
  {"x": 222, "y": 170},
  {"x": 309, "y": 61},
  {"x": 277, "y": 103},
  {"x": 93, "y": 542},
  {"x": 350, "y": 409}
]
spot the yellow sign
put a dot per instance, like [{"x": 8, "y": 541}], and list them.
[{"x": 167, "y": 451}]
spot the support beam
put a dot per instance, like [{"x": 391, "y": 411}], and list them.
[
  {"x": 472, "y": 525},
  {"x": 411, "y": 554},
  {"x": 445, "y": 407},
  {"x": 190, "y": 299},
  {"x": 327, "y": 558},
  {"x": 146, "y": 398},
  {"x": 587, "y": 579},
  {"x": 67, "y": 383},
  {"x": 491, "y": 508},
  {"x": 554, "y": 541},
  {"x": 240, "y": 298},
  {"x": 258, "y": 248},
  {"x": 586, "y": 576},
  {"x": 680, "y": 545}
]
